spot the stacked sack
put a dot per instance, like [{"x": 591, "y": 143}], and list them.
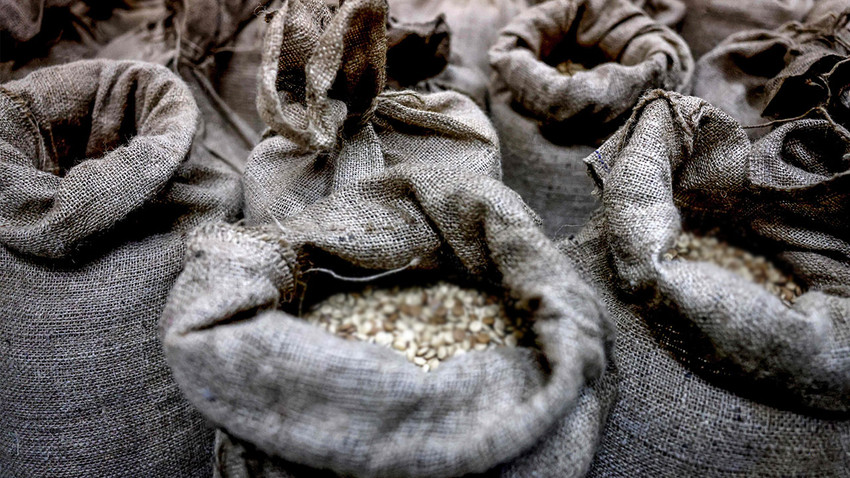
[
  {"x": 351, "y": 182},
  {"x": 99, "y": 187},
  {"x": 165, "y": 221},
  {"x": 567, "y": 73},
  {"x": 718, "y": 376}
]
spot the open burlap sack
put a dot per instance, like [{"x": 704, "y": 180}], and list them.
[
  {"x": 97, "y": 189},
  {"x": 358, "y": 181},
  {"x": 717, "y": 377},
  {"x": 549, "y": 121},
  {"x": 760, "y": 75},
  {"x": 299, "y": 395},
  {"x": 709, "y": 22}
]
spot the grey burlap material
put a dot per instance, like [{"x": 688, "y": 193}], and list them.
[
  {"x": 474, "y": 24},
  {"x": 474, "y": 27},
  {"x": 309, "y": 113},
  {"x": 301, "y": 394},
  {"x": 717, "y": 377},
  {"x": 759, "y": 75},
  {"x": 97, "y": 189},
  {"x": 565, "y": 451},
  {"x": 709, "y": 22},
  {"x": 665, "y": 12},
  {"x": 416, "y": 50},
  {"x": 549, "y": 121},
  {"x": 358, "y": 181},
  {"x": 817, "y": 71}
]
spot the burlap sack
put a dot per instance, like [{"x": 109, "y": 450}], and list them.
[
  {"x": 473, "y": 27},
  {"x": 357, "y": 181},
  {"x": 97, "y": 188},
  {"x": 416, "y": 51},
  {"x": 709, "y": 22},
  {"x": 761, "y": 75},
  {"x": 717, "y": 377},
  {"x": 549, "y": 121},
  {"x": 817, "y": 71},
  {"x": 309, "y": 99}
]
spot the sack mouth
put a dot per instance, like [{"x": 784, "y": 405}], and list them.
[
  {"x": 90, "y": 142},
  {"x": 361, "y": 409},
  {"x": 616, "y": 52},
  {"x": 789, "y": 346}
]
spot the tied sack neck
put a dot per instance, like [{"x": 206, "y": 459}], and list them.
[
  {"x": 322, "y": 73},
  {"x": 84, "y": 145}
]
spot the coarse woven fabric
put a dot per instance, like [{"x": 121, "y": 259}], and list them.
[
  {"x": 665, "y": 12},
  {"x": 717, "y": 377},
  {"x": 97, "y": 189},
  {"x": 709, "y": 22},
  {"x": 781, "y": 73},
  {"x": 474, "y": 27},
  {"x": 565, "y": 451},
  {"x": 817, "y": 71},
  {"x": 416, "y": 50},
  {"x": 549, "y": 121},
  {"x": 330, "y": 125},
  {"x": 304, "y": 395},
  {"x": 359, "y": 181}
]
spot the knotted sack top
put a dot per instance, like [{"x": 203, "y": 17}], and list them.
[
  {"x": 330, "y": 121},
  {"x": 633, "y": 54},
  {"x": 85, "y": 145},
  {"x": 679, "y": 157}
]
